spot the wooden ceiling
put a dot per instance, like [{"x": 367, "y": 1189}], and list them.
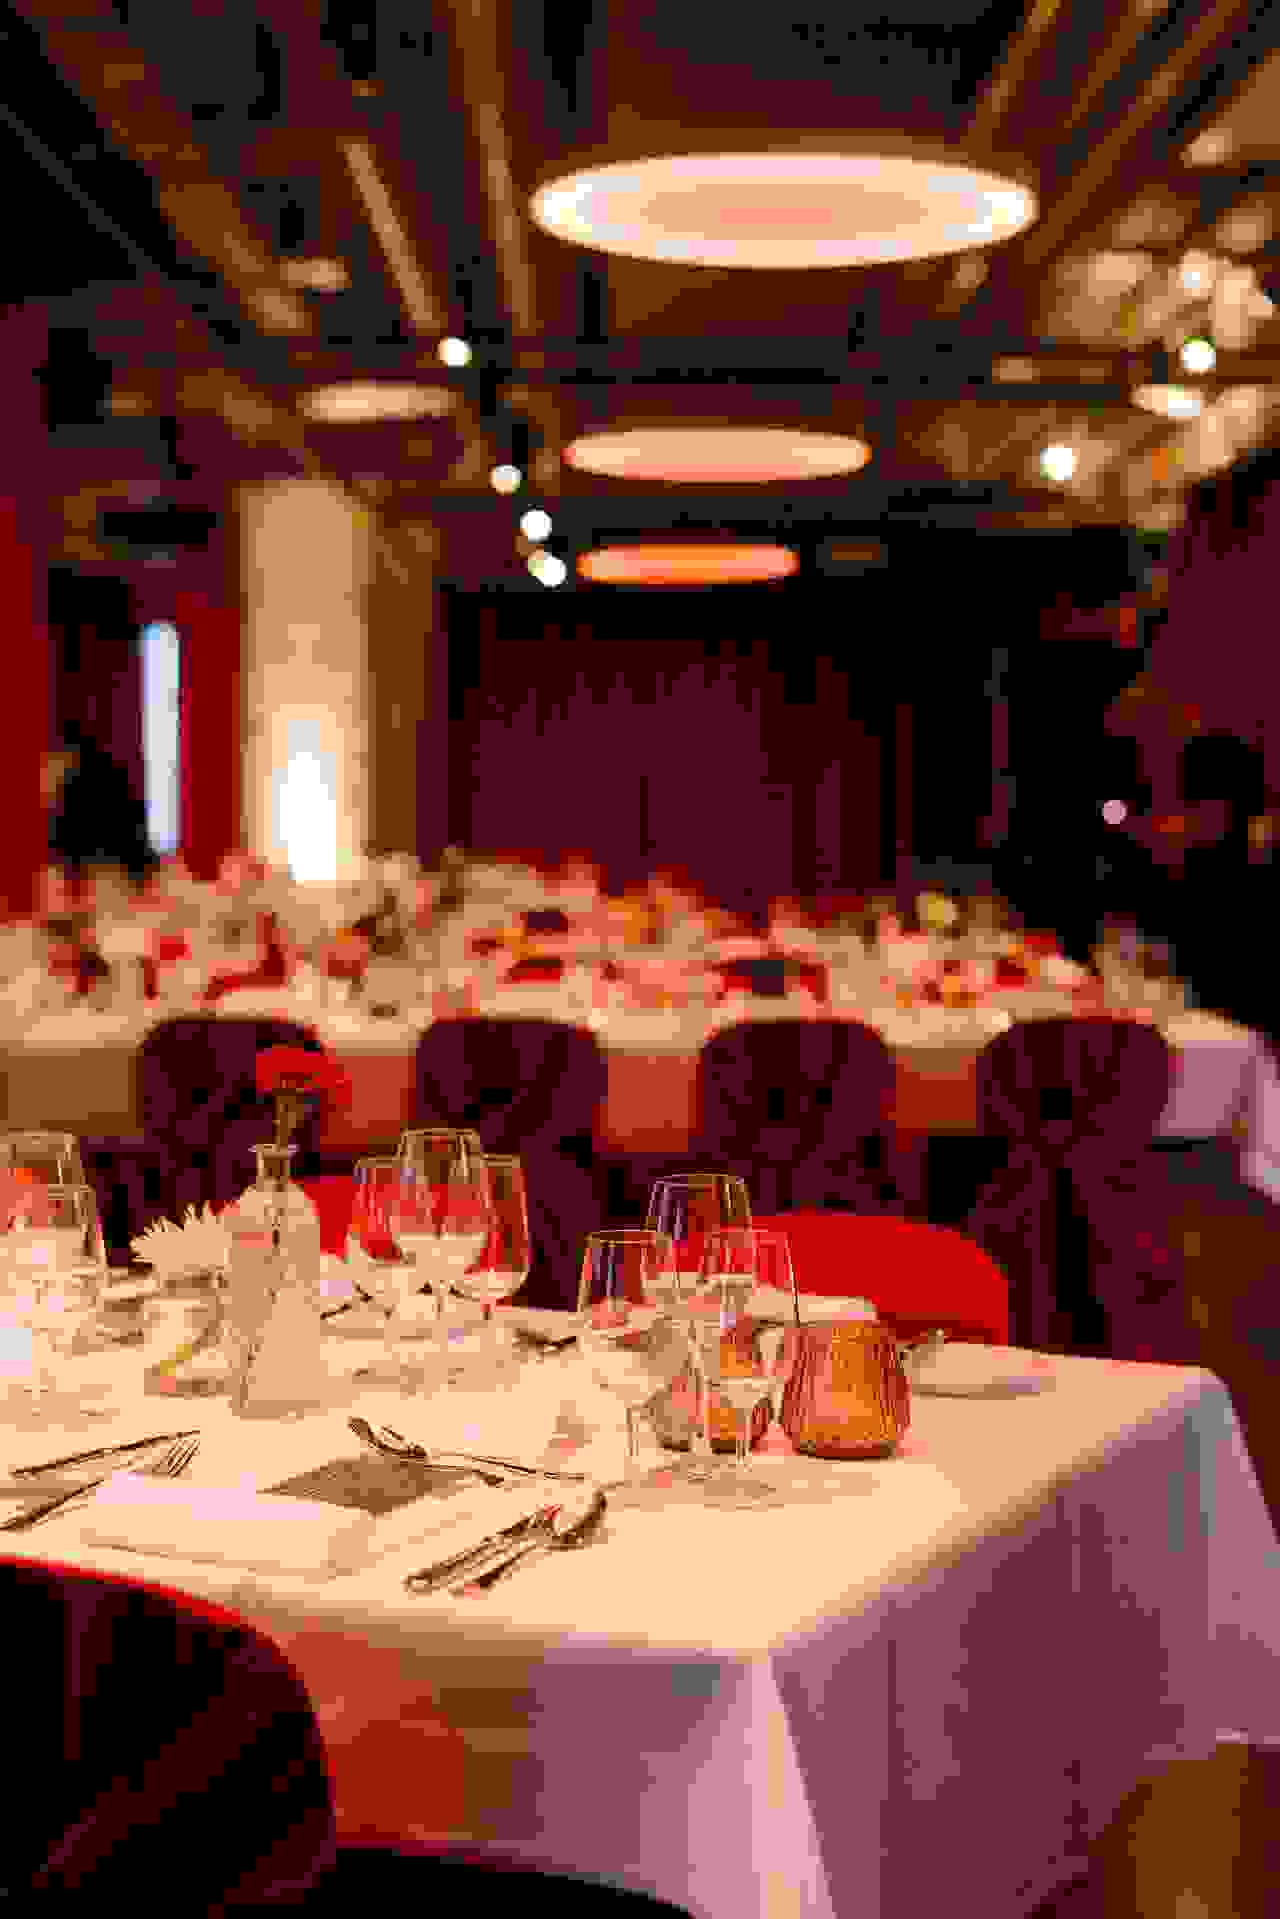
[{"x": 182, "y": 161}]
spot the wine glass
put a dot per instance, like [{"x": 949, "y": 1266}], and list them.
[
  {"x": 684, "y": 1208},
  {"x": 442, "y": 1214},
  {"x": 421, "y": 1142},
  {"x": 631, "y": 1346},
  {"x": 503, "y": 1265},
  {"x": 732, "y": 1360},
  {"x": 54, "y": 1277},
  {"x": 369, "y": 1235},
  {"x": 52, "y": 1159}
]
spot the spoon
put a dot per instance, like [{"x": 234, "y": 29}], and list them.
[{"x": 570, "y": 1525}]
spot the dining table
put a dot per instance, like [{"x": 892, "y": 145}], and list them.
[{"x": 908, "y": 1679}]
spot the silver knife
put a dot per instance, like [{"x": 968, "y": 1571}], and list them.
[
  {"x": 439, "y": 1574},
  {"x": 100, "y": 1452}
]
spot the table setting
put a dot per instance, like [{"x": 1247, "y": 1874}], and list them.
[{"x": 699, "y": 1519}]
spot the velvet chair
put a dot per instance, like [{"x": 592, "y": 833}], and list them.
[
  {"x": 1079, "y": 1215},
  {"x": 167, "y": 1755},
  {"x": 528, "y": 1087},
  {"x": 918, "y": 1277}
]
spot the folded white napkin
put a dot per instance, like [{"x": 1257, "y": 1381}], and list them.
[
  {"x": 515, "y": 1420},
  {"x": 227, "y": 1524},
  {"x": 772, "y": 1302}
]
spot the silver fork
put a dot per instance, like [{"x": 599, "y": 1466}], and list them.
[{"x": 172, "y": 1462}]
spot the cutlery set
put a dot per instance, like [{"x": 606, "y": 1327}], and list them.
[{"x": 170, "y": 1464}]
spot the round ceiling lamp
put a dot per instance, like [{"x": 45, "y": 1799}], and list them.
[
  {"x": 716, "y": 455},
  {"x": 359, "y": 402},
  {"x": 810, "y": 206},
  {"x": 687, "y": 564}
]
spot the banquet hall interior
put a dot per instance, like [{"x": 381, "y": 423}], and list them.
[{"x": 688, "y": 588}]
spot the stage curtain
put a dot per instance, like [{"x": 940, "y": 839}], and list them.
[{"x": 211, "y": 742}]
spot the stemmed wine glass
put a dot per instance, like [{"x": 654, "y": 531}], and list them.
[
  {"x": 50, "y": 1159},
  {"x": 503, "y": 1265},
  {"x": 684, "y": 1208},
  {"x": 442, "y": 1215},
  {"x": 736, "y": 1368},
  {"x": 54, "y": 1277},
  {"x": 631, "y": 1345}
]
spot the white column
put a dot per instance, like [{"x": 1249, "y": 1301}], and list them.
[{"x": 306, "y": 571}]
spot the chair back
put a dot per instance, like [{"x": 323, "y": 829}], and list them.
[
  {"x": 174, "y": 1746},
  {"x": 799, "y": 1108},
  {"x": 201, "y": 1105},
  {"x": 1076, "y": 1211},
  {"x": 918, "y": 1277},
  {"x": 529, "y": 1087}
]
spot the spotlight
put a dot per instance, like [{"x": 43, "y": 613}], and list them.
[
  {"x": 1058, "y": 463},
  {"x": 454, "y": 352},
  {"x": 1114, "y": 812},
  {"x": 535, "y": 524},
  {"x": 505, "y": 479},
  {"x": 547, "y": 569},
  {"x": 1198, "y": 354}
]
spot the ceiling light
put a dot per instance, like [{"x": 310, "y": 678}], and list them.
[
  {"x": 454, "y": 352},
  {"x": 788, "y": 209},
  {"x": 1114, "y": 812},
  {"x": 1196, "y": 273},
  {"x": 361, "y": 401},
  {"x": 1058, "y": 463},
  {"x": 1014, "y": 372},
  {"x": 535, "y": 524},
  {"x": 1173, "y": 402},
  {"x": 315, "y": 276},
  {"x": 505, "y": 479},
  {"x": 686, "y": 564},
  {"x": 716, "y": 455},
  {"x": 547, "y": 569},
  {"x": 1198, "y": 354}
]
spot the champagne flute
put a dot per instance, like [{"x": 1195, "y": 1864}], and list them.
[
  {"x": 732, "y": 1360},
  {"x": 684, "y": 1208},
  {"x": 631, "y": 1346},
  {"x": 503, "y": 1265}
]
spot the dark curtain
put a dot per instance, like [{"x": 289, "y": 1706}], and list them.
[
  {"x": 97, "y": 672},
  {"x": 721, "y": 735}
]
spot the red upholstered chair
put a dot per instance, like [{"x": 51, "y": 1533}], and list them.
[{"x": 918, "y": 1277}]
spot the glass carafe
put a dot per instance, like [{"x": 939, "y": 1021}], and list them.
[{"x": 273, "y": 1328}]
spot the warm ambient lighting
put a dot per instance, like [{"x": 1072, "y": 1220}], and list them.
[
  {"x": 1174, "y": 402},
  {"x": 791, "y": 209},
  {"x": 547, "y": 569},
  {"x": 1058, "y": 463},
  {"x": 505, "y": 479},
  {"x": 1198, "y": 354},
  {"x": 535, "y": 524},
  {"x": 361, "y": 401},
  {"x": 716, "y": 455},
  {"x": 419, "y": 302},
  {"x": 454, "y": 352},
  {"x": 686, "y": 565}
]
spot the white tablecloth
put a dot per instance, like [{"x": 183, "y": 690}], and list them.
[{"x": 939, "y": 1671}]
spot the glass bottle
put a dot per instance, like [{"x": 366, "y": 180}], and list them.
[{"x": 273, "y": 1292}]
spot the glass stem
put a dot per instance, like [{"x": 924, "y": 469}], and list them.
[
  {"x": 633, "y": 1449},
  {"x": 701, "y": 1446},
  {"x": 742, "y": 1445}
]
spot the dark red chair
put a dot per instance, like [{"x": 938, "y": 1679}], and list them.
[
  {"x": 167, "y": 1753},
  {"x": 918, "y": 1277},
  {"x": 799, "y": 1108},
  {"x": 529, "y": 1087},
  {"x": 1079, "y": 1216}
]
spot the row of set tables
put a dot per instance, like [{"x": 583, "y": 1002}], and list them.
[
  {"x": 941, "y": 1669},
  {"x": 76, "y": 1068}
]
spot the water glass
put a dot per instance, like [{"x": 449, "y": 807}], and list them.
[
  {"x": 685, "y": 1208},
  {"x": 369, "y": 1235},
  {"x": 442, "y": 1215},
  {"x": 631, "y": 1346},
  {"x": 53, "y": 1275},
  {"x": 731, "y": 1270}
]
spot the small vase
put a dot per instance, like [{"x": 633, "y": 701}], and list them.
[{"x": 273, "y": 1294}]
